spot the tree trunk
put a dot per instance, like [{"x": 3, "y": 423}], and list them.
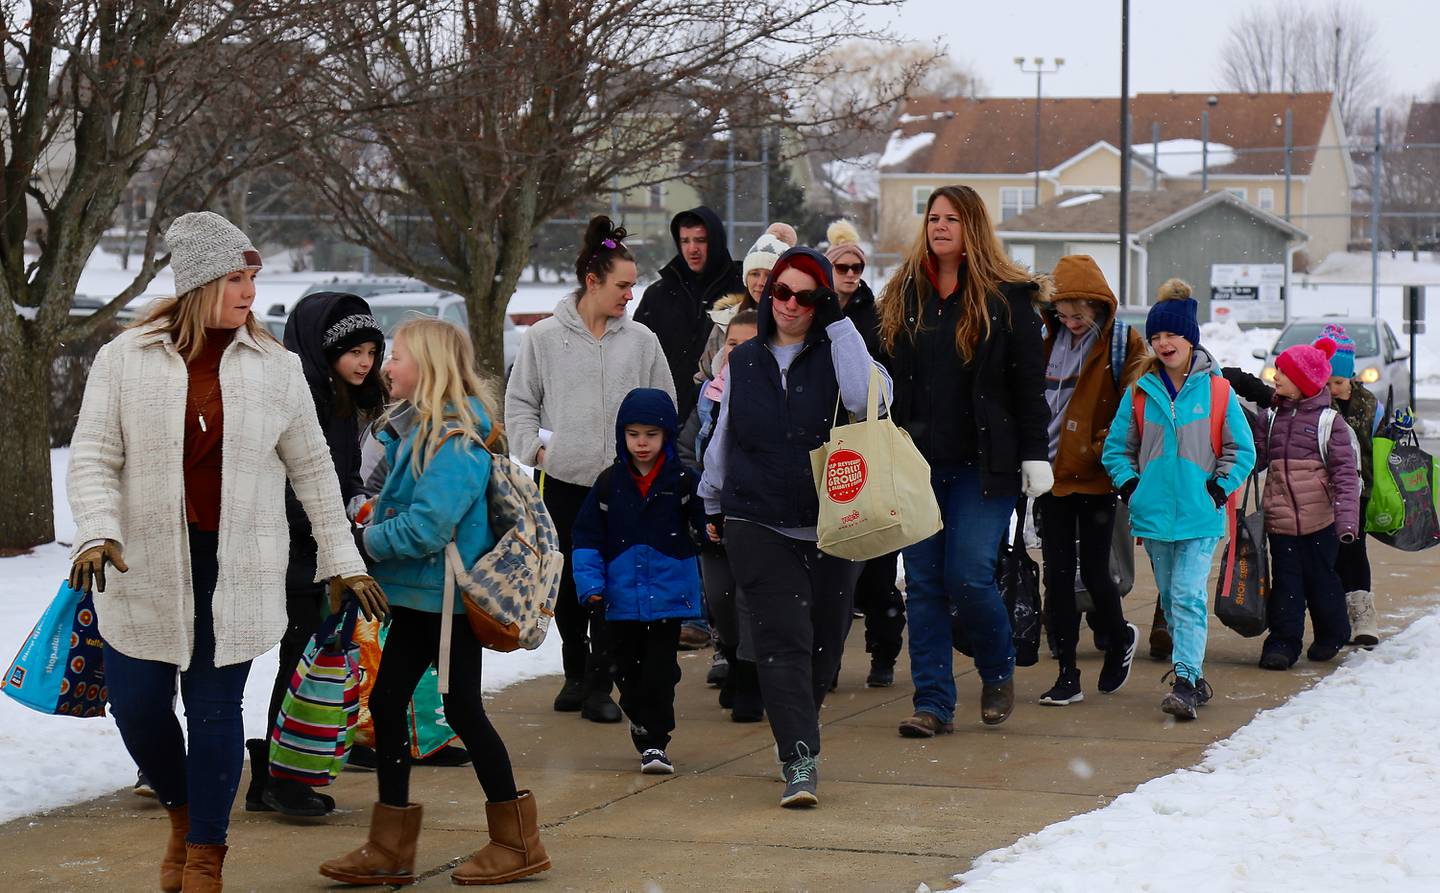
[{"x": 28, "y": 518}]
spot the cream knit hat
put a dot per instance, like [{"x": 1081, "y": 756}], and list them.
[{"x": 204, "y": 247}]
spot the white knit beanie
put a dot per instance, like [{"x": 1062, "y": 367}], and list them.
[
  {"x": 764, "y": 253},
  {"x": 204, "y": 247}
]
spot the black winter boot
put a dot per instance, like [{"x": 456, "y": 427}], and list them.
[
  {"x": 259, "y": 750},
  {"x": 269, "y": 794}
]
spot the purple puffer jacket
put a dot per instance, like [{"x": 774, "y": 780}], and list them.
[{"x": 1304, "y": 494}]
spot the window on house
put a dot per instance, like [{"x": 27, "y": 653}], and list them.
[
  {"x": 1239, "y": 192},
  {"x": 1015, "y": 201},
  {"x": 919, "y": 196},
  {"x": 1023, "y": 255},
  {"x": 1266, "y": 198},
  {"x": 657, "y": 197}
]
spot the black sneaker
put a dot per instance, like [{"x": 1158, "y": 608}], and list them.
[
  {"x": 719, "y": 669},
  {"x": 1204, "y": 692},
  {"x": 654, "y": 762},
  {"x": 1066, "y": 690},
  {"x": 882, "y": 673},
  {"x": 1118, "y": 662},
  {"x": 801, "y": 778},
  {"x": 1183, "y": 700},
  {"x": 142, "y": 786},
  {"x": 1321, "y": 653},
  {"x": 1275, "y": 660}
]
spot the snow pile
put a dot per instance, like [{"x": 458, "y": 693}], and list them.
[
  {"x": 1184, "y": 157},
  {"x": 1396, "y": 269},
  {"x": 1231, "y": 345},
  {"x": 1338, "y": 789},
  {"x": 900, "y": 148},
  {"x": 53, "y": 761},
  {"x": 1084, "y": 198},
  {"x": 855, "y": 179}
]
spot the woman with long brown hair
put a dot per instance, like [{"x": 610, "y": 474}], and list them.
[{"x": 963, "y": 344}]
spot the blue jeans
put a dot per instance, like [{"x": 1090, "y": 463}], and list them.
[
  {"x": 1181, "y": 569},
  {"x": 953, "y": 574},
  {"x": 142, "y": 699}
]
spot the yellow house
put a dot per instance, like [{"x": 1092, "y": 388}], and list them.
[{"x": 989, "y": 145}]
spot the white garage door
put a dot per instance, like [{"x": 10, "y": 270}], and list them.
[{"x": 1107, "y": 258}]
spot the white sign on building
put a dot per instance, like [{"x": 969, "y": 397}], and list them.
[{"x": 1247, "y": 292}]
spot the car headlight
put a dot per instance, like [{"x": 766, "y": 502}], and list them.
[
  {"x": 1268, "y": 374},
  {"x": 1370, "y": 376}
]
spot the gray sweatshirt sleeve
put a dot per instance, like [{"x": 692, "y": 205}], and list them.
[
  {"x": 852, "y": 367},
  {"x": 712, "y": 482},
  {"x": 523, "y": 396}
]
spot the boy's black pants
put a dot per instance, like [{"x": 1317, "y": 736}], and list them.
[{"x": 647, "y": 672}]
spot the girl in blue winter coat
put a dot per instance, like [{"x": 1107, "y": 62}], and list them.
[
  {"x": 636, "y": 541},
  {"x": 1179, "y": 446},
  {"x": 436, "y": 493}
]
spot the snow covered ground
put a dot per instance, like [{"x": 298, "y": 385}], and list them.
[
  {"x": 1337, "y": 789},
  {"x": 52, "y": 761}
]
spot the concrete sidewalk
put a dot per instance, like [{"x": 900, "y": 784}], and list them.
[{"x": 894, "y": 812}]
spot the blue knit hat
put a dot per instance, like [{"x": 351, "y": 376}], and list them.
[
  {"x": 1343, "y": 363},
  {"x": 1177, "y": 316}
]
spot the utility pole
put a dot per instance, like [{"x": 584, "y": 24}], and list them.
[
  {"x": 1039, "y": 70},
  {"x": 1124, "y": 292},
  {"x": 1377, "y": 189}
]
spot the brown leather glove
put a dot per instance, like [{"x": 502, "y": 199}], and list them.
[
  {"x": 88, "y": 571},
  {"x": 366, "y": 591}
]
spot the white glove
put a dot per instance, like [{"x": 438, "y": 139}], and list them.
[{"x": 1036, "y": 478}]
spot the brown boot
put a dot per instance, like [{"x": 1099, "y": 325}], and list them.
[
  {"x": 514, "y": 850},
  {"x": 388, "y": 855},
  {"x": 202, "y": 867},
  {"x": 1160, "y": 643},
  {"x": 997, "y": 701},
  {"x": 172, "y": 864}
]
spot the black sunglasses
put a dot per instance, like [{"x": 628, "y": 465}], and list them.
[
  {"x": 847, "y": 269},
  {"x": 782, "y": 293}
]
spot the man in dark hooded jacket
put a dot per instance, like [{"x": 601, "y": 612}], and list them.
[{"x": 676, "y": 307}]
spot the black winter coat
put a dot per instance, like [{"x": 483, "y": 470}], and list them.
[
  {"x": 676, "y": 308},
  {"x": 1007, "y": 409},
  {"x": 303, "y": 333},
  {"x": 861, "y": 310}
]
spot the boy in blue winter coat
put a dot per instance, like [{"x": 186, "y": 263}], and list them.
[{"x": 635, "y": 552}]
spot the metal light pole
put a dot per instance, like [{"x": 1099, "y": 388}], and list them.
[
  {"x": 1123, "y": 286},
  {"x": 1039, "y": 70}
]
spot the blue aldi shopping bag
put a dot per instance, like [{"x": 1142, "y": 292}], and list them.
[{"x": 60, "y": 668}]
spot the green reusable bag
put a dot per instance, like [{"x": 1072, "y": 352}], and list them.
[{"x": 1386, "y": 512}]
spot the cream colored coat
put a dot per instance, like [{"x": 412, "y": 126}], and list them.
[{"x": 127, "y": 482}]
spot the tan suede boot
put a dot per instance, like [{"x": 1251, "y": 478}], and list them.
[
  {"x": 202, "y": 867},
  {"x": 172, "y": 864},
  {"x": 514, "y": 850},
  {"x": 388, "y": 855}
]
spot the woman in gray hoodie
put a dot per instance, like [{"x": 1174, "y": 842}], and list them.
[{"x": 573, "y": 371}]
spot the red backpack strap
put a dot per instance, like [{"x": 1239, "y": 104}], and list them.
[
  {"x": 1137, "y": 401},
  {"x": 1219, "y": 406}
]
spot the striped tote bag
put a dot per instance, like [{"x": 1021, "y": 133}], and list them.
[{"x": 316, "y": 726}]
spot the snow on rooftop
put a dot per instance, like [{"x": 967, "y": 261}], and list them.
[
  {"x": 1183, "y": 157},
  {"x": 900, "y": 148},
  {"x": 1084, "y": 198}
]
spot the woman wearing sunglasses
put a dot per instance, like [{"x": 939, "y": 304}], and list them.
[
  {"x": 784, "y": 391},
  {"x": 957, "y": 321}
]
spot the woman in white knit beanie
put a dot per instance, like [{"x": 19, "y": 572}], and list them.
[{"x": 191, "y": 423}]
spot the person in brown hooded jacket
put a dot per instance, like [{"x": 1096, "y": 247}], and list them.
[{"x": 1086, "y": 372}]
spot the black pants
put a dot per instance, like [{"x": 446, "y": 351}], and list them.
[
  {"x": 1353, "y": 562},
  {"x": 799, "y": 601},
  {"x": 728, "y": 614},
  {"x": 585, "y": 658},
  {"x": 304, "y": 609},
  {"x": 411, "y": 646},
  {"x": 879, "y": 599},
  {"x": 647, "y": 672},
  {"x": 1092, "y": 518},
  {"x": 1302, "y": 573}
]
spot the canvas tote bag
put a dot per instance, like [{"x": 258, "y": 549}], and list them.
[{"x": 874, "y": 487}]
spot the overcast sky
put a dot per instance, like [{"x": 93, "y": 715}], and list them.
[{"x": 1173, "y": 45}]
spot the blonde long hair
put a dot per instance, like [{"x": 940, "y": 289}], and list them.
[
  {"x": 445, "y": 360},
  {"x": 185, "y": 318},
  {"x": 986, "y": 266}
]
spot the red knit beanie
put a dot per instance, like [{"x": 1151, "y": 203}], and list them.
[{"x": 1307, "y": 365}]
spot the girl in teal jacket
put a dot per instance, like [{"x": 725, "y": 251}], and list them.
[
  {"x": 437, "y": 491},
  {"x": 1175, "y": 480}
]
